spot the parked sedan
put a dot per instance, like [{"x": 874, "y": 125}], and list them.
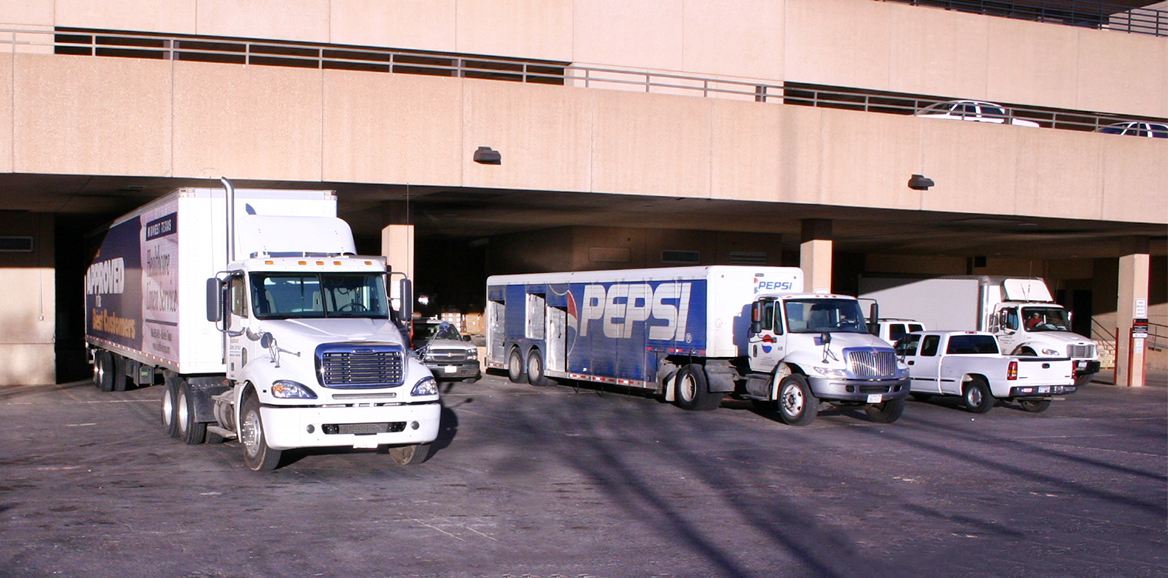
[
  {"x": 973, "y": 110},
  {"x": 1137, "y": 128}
]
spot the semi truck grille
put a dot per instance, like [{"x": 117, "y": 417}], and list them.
[
  {"x": 1079, "y": 351},
  {"x": 361, "y": 366},
  {"x": 871, "y": 363}
]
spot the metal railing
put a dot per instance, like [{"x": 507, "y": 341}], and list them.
[
  {"x": 1081, "y": 13},
  {"x": 1157, "y": 336},
  {"x": 251, "y": 52}
]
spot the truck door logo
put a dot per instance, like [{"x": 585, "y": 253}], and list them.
[{"x": 620, "y": 307}]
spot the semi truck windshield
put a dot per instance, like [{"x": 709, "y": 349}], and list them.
[
  {"x": 317, "y": 295},
  {"x": 824, "y": 315}
]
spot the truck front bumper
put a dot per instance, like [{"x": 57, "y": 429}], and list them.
[
  {"x": 453, "y": 370},
  {"x": 358, "y": 427},
  {"x": 857, "y": 390},
  {"x": 1040, "y": 390}
]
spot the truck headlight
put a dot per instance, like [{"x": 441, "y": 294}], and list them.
[
  {"x": 287, "y": 389},
  {"x": 1050, "y": 352},
  {"x": 472, "y": 354},
  {"x": 829, "y": 372},
  {"x": 425, "y": 386}
]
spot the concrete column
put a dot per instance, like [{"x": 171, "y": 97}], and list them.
[
  {"x": 397, "y": 244},
  {"x": 1132, "y": 304},
  {"x": 815, "y": 255}
]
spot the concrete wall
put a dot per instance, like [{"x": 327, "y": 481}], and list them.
[
  {"x": 28, "y": 309},
  {"x": 108, "y": 116},
  {"x": 857, "y": 43}
]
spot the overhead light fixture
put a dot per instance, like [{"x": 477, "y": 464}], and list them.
[
  {"x": 920, "y": 183},
  {"x": 487, "y": 156}
]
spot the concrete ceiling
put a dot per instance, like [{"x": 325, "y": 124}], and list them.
[{"x": 471, "y": 214}]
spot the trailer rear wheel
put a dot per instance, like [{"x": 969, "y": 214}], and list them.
[
  {"x": 120, "y": 377},
  {"x": 515, "y": 366},
  {"x": 190, "y": 431},
  {"x": 103, "y": 370},
  {"x": 409, "y": 455},
  {"x": 170, "y": 406},
  {"x": 1034, "y": 405},
  {"x": 693, "y": 391},
  {"x": 535, "y": 369},
  {"x": 256, "y": 453},
  {"x": 886, "y": 412},
  {"x": 797, "y": 406},
  {"x": 976, "y": 396}
]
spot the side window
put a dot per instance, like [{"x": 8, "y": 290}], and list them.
[
  {"x": 896, "y": 331},
  {"x": 907, "y": 345},
  {"x": 930, "y": 344},
  {"x": 767, "y": 315},
  {"x": 238, "y": 297},
  {"x": 1012, "y": 318},
  {"x": 916, "y": 327}
]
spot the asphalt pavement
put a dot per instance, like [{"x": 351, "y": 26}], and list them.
[{"x": 575, "y": 481}]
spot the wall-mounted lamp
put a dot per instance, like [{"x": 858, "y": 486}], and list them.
[
  {"x": 920, "y": 183},
  {"x": 487, "y": 156}
]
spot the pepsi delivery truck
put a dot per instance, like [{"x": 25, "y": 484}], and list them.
[{"x": 693, "y": 335}]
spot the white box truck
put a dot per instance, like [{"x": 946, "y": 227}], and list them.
[
  {"x": 1019, "y": 311},
  {"x": 291, "y": 345},
  {"x": 693, "y": 335}
]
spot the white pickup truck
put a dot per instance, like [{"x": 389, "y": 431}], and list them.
[{"x": 970, "y": 364}]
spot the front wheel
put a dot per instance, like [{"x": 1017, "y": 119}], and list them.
[
  {"x": 797, "y": 406},
  {"x": 1034, "y": 405},
  {"x": 693, "y": 391},
  {"x": 976, "y": 396},
  {"x": 256, "y": 453},
  {"x": 409, "y": 455},
  {"x": 886, "y": 412},
  {"x": 515, "y": 366}
]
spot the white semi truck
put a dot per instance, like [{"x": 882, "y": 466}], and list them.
[
  {"x": 262, "y": 323},
  {"x": 693, "y": 335},
  {"x": 1019, "y": 311}
]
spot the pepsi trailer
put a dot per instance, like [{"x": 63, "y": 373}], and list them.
[{"x": 694, "y": 334}]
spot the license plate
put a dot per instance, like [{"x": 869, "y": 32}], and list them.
[
  {"x": 365, "y": 443},
  {"x": 449, "y": 369},
  {"x": 875, "y": 397},
  {"x": 1044, "y": 389}
]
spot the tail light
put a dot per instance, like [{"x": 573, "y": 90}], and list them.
[{"x": 1012, "y": 372}]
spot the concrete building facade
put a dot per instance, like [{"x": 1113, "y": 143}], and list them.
[{"x": 631, "y": 133}]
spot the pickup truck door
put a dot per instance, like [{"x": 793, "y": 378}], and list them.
[{"x": 924, "y": 366}]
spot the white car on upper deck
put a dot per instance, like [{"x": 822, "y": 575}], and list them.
[{"x": 973, "y": 110}]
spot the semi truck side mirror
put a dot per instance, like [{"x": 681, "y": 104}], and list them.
[
  {"x": 755, "y": 323},
  {"x": 214, "y": 300},
  {"x": 406, "y": 311}
]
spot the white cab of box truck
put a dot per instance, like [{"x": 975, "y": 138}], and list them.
[
  {"x": 693, "y": 335},
  {"x": 1019, "y": 311},
  {"x": 287, "y": 341}
]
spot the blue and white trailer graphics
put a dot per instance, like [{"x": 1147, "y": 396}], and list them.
[
  {"x": 291, "y": 345},
  {"x": 694, "y": 334}
]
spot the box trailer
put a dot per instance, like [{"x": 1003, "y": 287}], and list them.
[
  {"x": 293, "y": 344},
  {"x": 693, "y": 335},
  {"x": 1019, "y": 311}
]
